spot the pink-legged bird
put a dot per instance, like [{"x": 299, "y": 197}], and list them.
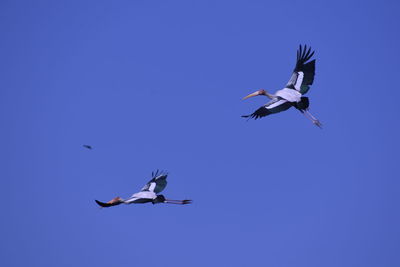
[
  {"x": 149, "y": 193},
  {"x": 292, "y": 95}
]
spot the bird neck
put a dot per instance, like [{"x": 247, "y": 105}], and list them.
[{"x": 270, "y": 96}]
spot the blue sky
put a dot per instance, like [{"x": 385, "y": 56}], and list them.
[{"x": 158, "y": 85}]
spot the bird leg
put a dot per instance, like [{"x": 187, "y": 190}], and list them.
[
  {"x": 180, "y": 202},
  {"x": 314, "y": 120}
]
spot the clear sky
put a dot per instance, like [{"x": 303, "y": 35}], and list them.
[{"x": 158, "y": 85}]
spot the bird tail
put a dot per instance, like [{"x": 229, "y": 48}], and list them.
[{"x": 303, "y": 104}]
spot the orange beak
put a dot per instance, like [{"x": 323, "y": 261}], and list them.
[{"x": 259, "y": 92}]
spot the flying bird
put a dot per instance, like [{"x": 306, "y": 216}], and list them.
[
  {"x": 149, "y": 193},
  {"x": 292, "y": 95},
  {"x": 87, "y": 146}
]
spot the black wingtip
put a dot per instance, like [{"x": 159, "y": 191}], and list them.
[
  {"x": 248, "y": 117},
  {"x": 158, "y": 173},
  {"x": 154, "y": 173},
  {"x": 299, "y": 53},
  {"x": 304, "y": 54},
  {"x": 310, "y": 56}
]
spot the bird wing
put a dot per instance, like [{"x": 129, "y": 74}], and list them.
[
  {"x": 303, "y": 73},
  {"x": 157, "y": 183},
  {"x": 289, "y": 94},
  {"x": 274, "y": 106}
]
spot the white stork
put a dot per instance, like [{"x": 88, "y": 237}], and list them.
[
  {"x": 292, "y": 95},
  {"x": 147, "y": 194}
]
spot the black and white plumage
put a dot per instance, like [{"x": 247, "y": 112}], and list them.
[
  {"x": 292, "y": 95},
  {"x": 149, "y": 193}
]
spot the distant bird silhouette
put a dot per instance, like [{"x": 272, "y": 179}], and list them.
[
  {"x": 88, "y": 147},
  {"x": 292, "y": 95},
  {"x": 147, "y": 194}
]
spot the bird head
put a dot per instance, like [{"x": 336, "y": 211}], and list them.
[
  {"x": 115, "y": 200},
  {"x": 256, "y": 93}
]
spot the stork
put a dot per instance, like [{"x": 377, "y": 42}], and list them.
[
  {"x": 149, "y": 193},
  {"x": 292, "y": 95}
]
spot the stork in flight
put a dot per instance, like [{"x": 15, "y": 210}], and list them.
[
  {"x": 149, "y": 193},
  {"x": 292, "y": 95}
]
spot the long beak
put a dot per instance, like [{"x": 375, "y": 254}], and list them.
[
  {"x": 112, "y": 202},
  {"x": 252, "y": 94}
]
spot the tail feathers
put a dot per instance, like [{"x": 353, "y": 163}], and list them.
[
  {"x": 112, "y": 202},
  {"x": 303, "y": 104}
]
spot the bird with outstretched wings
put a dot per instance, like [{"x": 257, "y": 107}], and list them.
[
  {"x": 149, "y": 193},
  {"x": 292, "y": 95}
]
